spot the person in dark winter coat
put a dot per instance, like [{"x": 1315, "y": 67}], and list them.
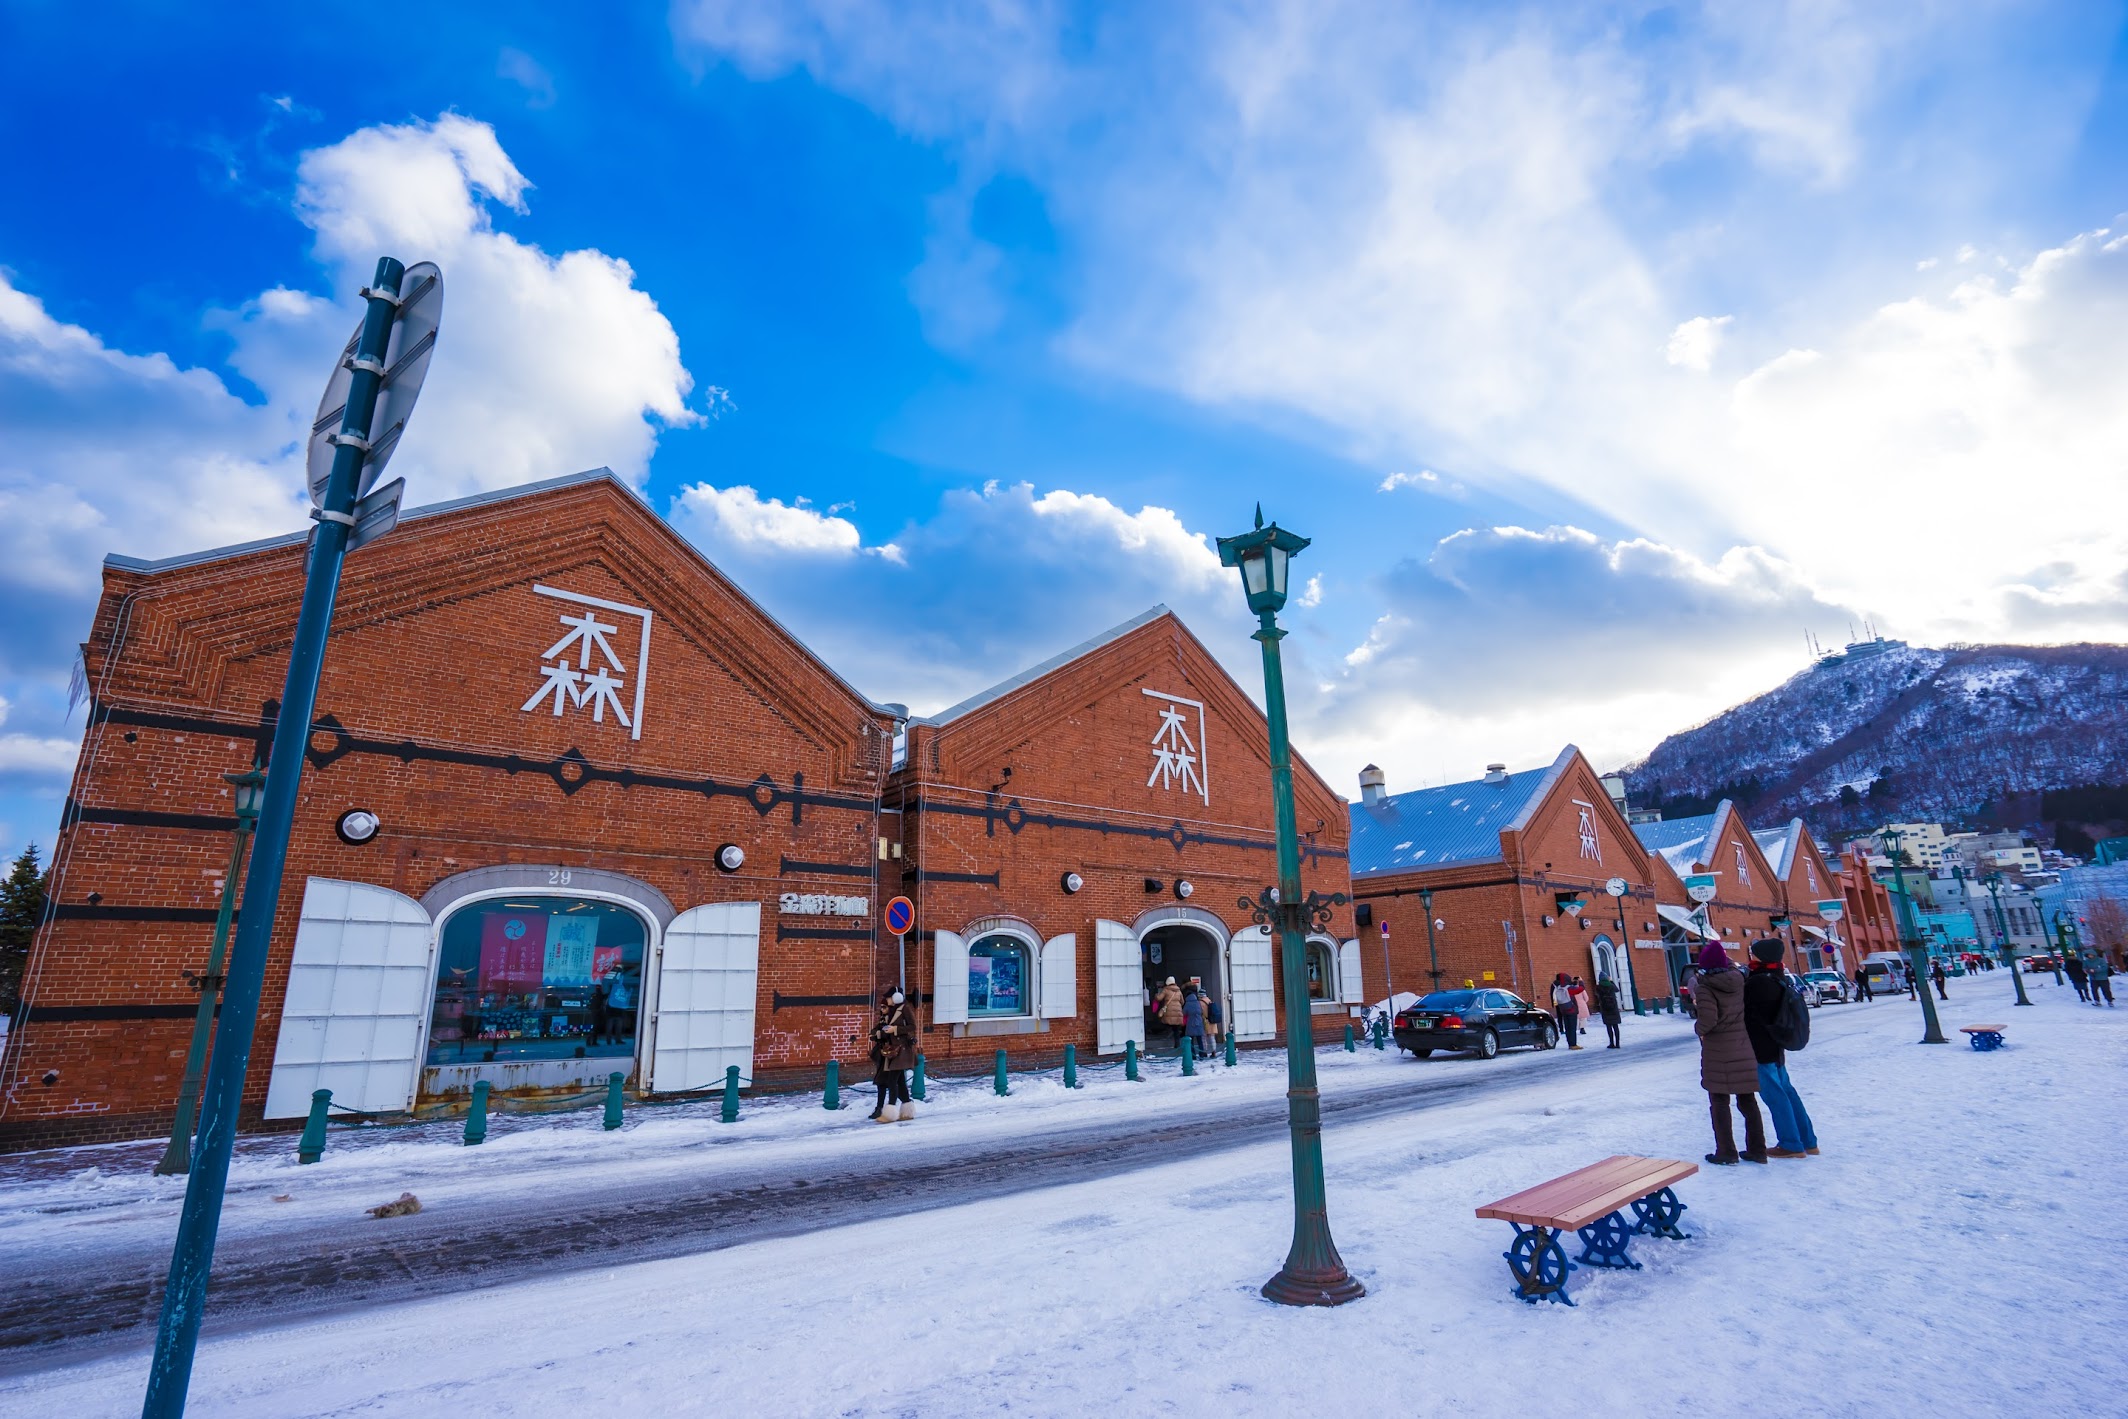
[
  {"x": 1607, "y": 1007},
  {"x": 1862, "y": 990},
  {"x": 1764, "y": 992},
  {"x": 1193, "y": 1021},
  {"x": 2100, "y": 972},
  {"x": 1936, "y": 974},
  {"x": 2073, "y": 968},
  {"x": 1566, "y": 1010},
  {"x": 1727, "y": 1067},
  {"x": 894, "y": 1050}
]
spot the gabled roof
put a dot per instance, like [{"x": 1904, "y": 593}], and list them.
[
  {"x": 1441, "y": 827},
  {"x": 1779, "y": 845},
  {"x": 1005, "y": 687},
  {"x": 1678, "y": 840}
]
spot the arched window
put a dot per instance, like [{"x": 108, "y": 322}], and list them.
[
  {"x": 531, "y": 976},
  {"x": 1000, "y": 976},
  {"x": 1322, "y": 971}
]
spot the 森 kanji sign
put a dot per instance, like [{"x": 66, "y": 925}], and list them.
[{"x": 585, "y": 670}]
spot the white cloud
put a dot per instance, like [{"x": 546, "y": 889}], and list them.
[
  {"x": 742, "y": 516},
  {"x": 47, "y": 759},
  {"x": 994, "y": 580},
  {"x": 1311, "y": 595},
  {"x": 1694, "y": 342}
]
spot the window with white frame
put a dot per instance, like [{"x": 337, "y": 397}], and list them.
[
  {"x": 1000, "y": 977},
  {"x": 1322, "y": 972}
]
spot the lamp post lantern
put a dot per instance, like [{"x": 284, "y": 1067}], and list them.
[
  {"x": 1916, "y": 948},
  {"x": 1433, "y": 954},
  {"x": 1314, "y": 1274},
  {"x": 2002, "y": 932},
  {"x": 248, "y": 787}
]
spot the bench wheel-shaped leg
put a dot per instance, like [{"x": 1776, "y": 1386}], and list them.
[
  {"x": 1539, "y": 1264},
  {"x": 1604, "y": 1242},
  {"x": 1985, "y": 1040},
  {"x": 1658, "y": 1213}
]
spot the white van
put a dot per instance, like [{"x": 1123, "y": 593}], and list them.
[{"x": 1886, "y": 972}]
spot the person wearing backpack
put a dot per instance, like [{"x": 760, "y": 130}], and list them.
[{"x": 1778, "y": 1020}]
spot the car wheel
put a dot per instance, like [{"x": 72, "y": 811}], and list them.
[
  {"x": 1488, "y": 1044},
  {"x": 1422, "y": 1054},
  {"x": 1549, "y": 1039}
]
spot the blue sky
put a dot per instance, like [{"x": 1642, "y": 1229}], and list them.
[{"x": 1603, "y": 349}]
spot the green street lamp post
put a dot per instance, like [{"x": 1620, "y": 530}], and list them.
[
  {"x": 1916, "y": 948},
  {"x": 1433, "y": 954},
  {"x": 2061, "y": 945},
  {"x": 1314, "y": 1274},
  {"x": 1993, "y": 882},
  {"x": 249, "y": 787}
]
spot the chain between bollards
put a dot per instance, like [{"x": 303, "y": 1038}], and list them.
[
  {"x": 476, "y": 1120},
  {"x": 311, "y": 1146}
]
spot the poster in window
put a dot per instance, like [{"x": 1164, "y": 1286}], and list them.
[
  {"x": 571, "y": 943},
  {"x": 512, "y": 948},
  {"x": 997, "y": 985}
]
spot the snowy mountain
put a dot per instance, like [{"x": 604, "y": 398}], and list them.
[{"x": 1968, "y": 734}]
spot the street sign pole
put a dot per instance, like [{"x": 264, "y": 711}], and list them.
[{"x": 185, "y": 1295}]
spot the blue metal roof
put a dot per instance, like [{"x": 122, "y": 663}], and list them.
[
  {"x": 1674, "y": 832},
  {"x": 1439, "y": 827}
]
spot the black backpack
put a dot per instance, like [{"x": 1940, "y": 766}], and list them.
[{"x": 1791, "y": 1022}]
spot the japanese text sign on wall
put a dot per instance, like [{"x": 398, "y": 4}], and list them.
[
  {"x": 1591, "y": 846},
  {"x": 822, "y": 904},
  {"x": 1178, "y": 760},
  {"x": 584, "y": 670}
]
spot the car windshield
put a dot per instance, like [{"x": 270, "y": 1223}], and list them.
[{"x": 1447, "y": 1000}]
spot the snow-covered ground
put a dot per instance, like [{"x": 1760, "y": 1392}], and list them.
[{"x": 1953, "y": 1251}]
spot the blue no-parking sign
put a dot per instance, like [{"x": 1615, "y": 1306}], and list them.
[{"x": 901, "y": 915}]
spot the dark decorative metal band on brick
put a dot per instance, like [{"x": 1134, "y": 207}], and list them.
[
  {"x": 824, "y": 869},
  {"x": 822, "y": 933},
  {"x": 1015, "y": 815},
  {"x": 570, "y": 770},
  {"x": 145, "y": 818},
  {"x": 105, "y": 911},
  {"x": 79, "y": 1014},
  {"x": 793, "y": 1002},
  {"x": 980, "y": 879}
]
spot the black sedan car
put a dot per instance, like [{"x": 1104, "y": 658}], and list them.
[{"x": 1483, "y": 1022}]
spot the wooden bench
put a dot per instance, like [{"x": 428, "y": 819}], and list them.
[
  {"x": 1589, "y": 1201},
  {"x": 1984, "y": 1037}
]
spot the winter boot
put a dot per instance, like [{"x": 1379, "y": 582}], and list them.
[
  {"x": 908, "y": 1112},
  {"x": 885, "y": 1114}
]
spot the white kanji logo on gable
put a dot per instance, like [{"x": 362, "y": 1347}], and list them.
[
  {"x": 1178, "y": 760},
  {"x": 584, "y": 668},
  {"x": 1743, "y": 870},
  {"x": 1591, "y": 847}
]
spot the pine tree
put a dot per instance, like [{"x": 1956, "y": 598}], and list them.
[{"x": 21, "y": 908}]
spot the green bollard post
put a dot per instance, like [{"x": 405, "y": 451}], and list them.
[
  {"x": 1636, "y": 1006},
  {"x": 476, "y": 1122},
  {"x": 1071, "y": 1066},
  {"x": 1381, "y": 1032},
  {"x": 613, "y": 1099},
  {"x": 916, "y": 1090},
  {"x": 1230, "y": 1049},
  {"x": 1130, "y": 1060},
  {"x": 1189, "y": 1055},
  {"x": 730, "y": 1112},
  {"x": 311, "y": 1146},
  {"x": 1350, "y": 1048},
  {"x": 999, "y": 1083},
  {"x": 831, "y": 1097}
]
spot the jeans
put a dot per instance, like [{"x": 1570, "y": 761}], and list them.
[
  {"x": 1791, "y": 1122},
  {"x": 1569, "y": 1024}
]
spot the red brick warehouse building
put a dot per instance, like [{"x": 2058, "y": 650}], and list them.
[
  {"x": 1086, "y": 830},
  {"x": 1514, "y": 866},
  {"x": 575, "y": 804}
]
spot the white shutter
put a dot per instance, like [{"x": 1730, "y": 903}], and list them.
[
  {"x": 702, "y": 1013},
  {"x": 1060, "y": 978},
  {"x": 1351, "y": 987},
  {"x": 949, "y": 980},
  {"x": 1119, "y": 988},
  {"x": 1255, "y": 1006},
  {"x": 358, "y": 988}
]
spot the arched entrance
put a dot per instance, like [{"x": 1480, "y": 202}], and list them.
[{"x": 1185, "y": 943}]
